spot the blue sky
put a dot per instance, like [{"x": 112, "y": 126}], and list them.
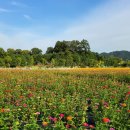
[{"x": 40, "y": 23}]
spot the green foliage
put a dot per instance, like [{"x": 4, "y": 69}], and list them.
[
  {"x": 8, "y": 61},
  {"x": 2, "y": 63},
  {"x": 125, "y": 55},
  {"x": 112, "y": 61},
  {"x": 50, "y": 50},
  {"x": 70, "y": 53},
  {"x": 2, "y": 53},
  {"x": 36, "y": 51},
  {"x": 14, "y": 62},
  {"x": 63, "y": 54},
  {"x": 37, "y": 59},
  {"x": 61, "y": 46},
  {"x": 10, "y": 51}
]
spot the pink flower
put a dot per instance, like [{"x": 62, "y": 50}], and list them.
[
  {"x": 67, "y": 126},
  {"x": 24, "y": 105},
  {"x": 17, "y": 104},
  {"x": 62, "y": 115},
  {"x": 105, "y": 104},
  {"x": 85, "y": 124},
  {"x": 112, "y": 129},
  {"x": 30, "y": 95},
  {"x": 37, "y": 113},
  {"x": 54, "y": 119},
  {"x": 91, "y": 126},
  {"x": 51, "y": 118}
]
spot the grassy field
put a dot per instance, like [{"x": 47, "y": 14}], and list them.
[{"x": 61, "y": 99}]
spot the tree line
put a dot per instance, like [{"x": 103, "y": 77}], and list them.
[{"x": 63, "y": 54}]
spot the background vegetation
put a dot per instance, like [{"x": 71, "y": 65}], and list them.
[{"x": 63, "y": 54}]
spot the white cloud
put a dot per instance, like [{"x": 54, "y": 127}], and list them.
[
  {"x": 27, "y": 17},
  {"x": 24, "y": 40},
  {"x": 18, "y": 4},
  {"x": 3, "y": 10},
  {"x": 107, "y": 28}
]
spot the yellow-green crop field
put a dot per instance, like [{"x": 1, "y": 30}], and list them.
[{"x": 75, "y": 99}]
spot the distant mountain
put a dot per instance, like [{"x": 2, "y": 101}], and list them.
[{"x": 125, "y": 55}]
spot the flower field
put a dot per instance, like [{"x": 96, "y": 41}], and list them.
[{"x": 75, "y": 99}]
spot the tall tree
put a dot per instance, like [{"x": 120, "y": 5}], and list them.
[
  {"x": 69, "y": 59},
  {"x": 61, "y": 46},
  {"x": 18, "y": 51},
  {"x": 8, "y": 61},
  {"x": 84, "y": 46},
  {"x": 2, "y": 63},
  {"x": 10, "y": 51},
  {"x": 50, "y": 50},
  {"x": 2, "y": 53},
  {"x": 36, "y": 51},
  {"x": 74, "y": 45}
]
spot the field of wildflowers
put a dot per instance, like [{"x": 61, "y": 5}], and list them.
[{"x": 75, "y": 99}]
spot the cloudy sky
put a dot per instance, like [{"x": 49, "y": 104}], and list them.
[{"x": 26, "y": 24}]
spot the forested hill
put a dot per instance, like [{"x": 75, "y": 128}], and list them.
[
  {"x": 125, "y": 55},
  {"x": 64, "y": 54}
]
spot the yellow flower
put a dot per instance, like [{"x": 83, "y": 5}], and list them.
[
  {"x": 123, "y": 104},
  {"x": 69, "y": 118},
  {"x": 44, "y": 123}
]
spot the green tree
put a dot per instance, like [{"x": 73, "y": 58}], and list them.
[
  {"x": 18, "y": 61},
  {"x": 23, "y": 61},
  {"x": 31, "y": 61},
  {"x": 2, "y": 53},
  {"x": 61, "y": 62},
  {"x": 112, "y": 61},
  {"x": 26, "y": 52},
  {"x": 48, "y": 57},
  {"x": 18, "y": 51},
  {"x": 84, "y": 46},
  {"x": 8, "y": 61},
  {"x": 74, "y": 46},
  {"x": 53, "y": 62},
  {"x": 38, "y": 59},
  {"x": 69, "y": 59},
  {"x": 61, "y": 46},
  {"x": 10, "y": 51},
  {"x": 44, "y": 61},
  {"x": 13, "y": 62},
  {"x": 2, "y": 63},
  {"x": 50, "y": 50},
  {"x": 128, "y": 63},
  {"x": 76, "y": 59},
  {"x": 36, "y": 51}
]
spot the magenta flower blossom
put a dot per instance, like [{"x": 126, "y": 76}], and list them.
[
  {"x": 62, "y": 115},
  {"x": 37, "y": 113},
  {"x": 85, "y": 124},
  {"x": 53, "y": 119},
  {"x": 112, "y": 129}
]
